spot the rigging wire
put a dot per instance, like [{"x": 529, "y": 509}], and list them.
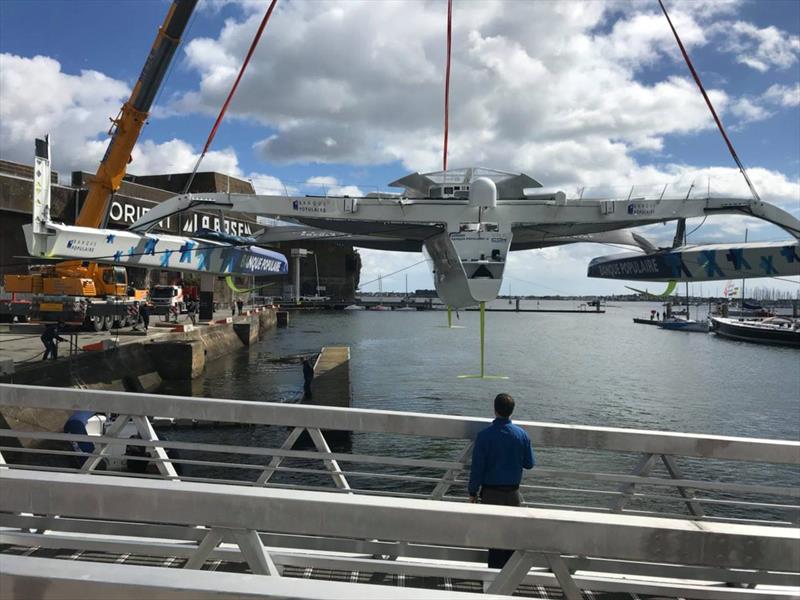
[
  {"x": 536, "y": 284},
  {"x": 709, "y": 104},
  {"x": 361, "y": 285},
  {"x": 232, "y": 91},
  {"x": 447, "y": 81},
  {"x": 686, "y": 237}
]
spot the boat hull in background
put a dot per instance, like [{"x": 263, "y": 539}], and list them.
[{"x": 760, "y": 332}]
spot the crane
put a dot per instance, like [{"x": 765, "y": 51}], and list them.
[{"x": 86, "y": 279}]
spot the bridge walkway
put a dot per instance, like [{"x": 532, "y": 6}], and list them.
[{"x": 659, "y": 516}]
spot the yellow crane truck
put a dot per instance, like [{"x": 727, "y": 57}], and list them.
[{"x": 86, "y": 292}]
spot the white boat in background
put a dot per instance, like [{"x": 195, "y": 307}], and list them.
[
  {"x": 380, "y": 307},
  {"x": 354, "y": 307}
]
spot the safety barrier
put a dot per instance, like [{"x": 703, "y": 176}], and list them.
[
  {"x": 733, "y": 495},
  {"x": 216, "y": 513}
]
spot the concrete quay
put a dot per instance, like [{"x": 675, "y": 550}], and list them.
[{"x": 126, "y": 359}]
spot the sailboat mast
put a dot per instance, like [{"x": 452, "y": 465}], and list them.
[{"x": 745, "y": 241}]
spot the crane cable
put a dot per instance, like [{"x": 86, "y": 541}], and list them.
[
  {"x": 710, "y": 106},
  {"x": 232, "y": 91},
  {"x": 447, "y": 81}
]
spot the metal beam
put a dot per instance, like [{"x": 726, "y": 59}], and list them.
[
  {"x": 147, "y": 433},
  {"x": 604, "y": 535},
  {"x": 51, "y": 579},
  {"x": 257, "y": 557},
  {"x": 513, "y": 573},
  {"x": 276, "y": 461},
  {"x": 642, "y": 469},
  {"x": 439, "y": 426},
  {"x": 675, "y": 473},
  {"x": 331, "y": 464},
  {"x": 452, "y": 473},
  {"x": 112, "y": 432},
  {"x": 601, "y": 580}
]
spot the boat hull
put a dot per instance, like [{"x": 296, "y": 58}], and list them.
[
  {"x": 646, "y": 321},
  {"x": 754, "y": 332},
  {"x": 684, "y": 325}
]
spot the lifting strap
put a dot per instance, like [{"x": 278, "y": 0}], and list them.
[{"x": 710, "y": 106}]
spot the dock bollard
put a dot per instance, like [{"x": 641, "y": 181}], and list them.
[{"x": 283, "y": 318}]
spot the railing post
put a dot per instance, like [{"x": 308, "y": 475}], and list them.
[
  {"x": 450, "y": 475},
  {"x": 276, "y": 461},
  {"x": 642, "y": 469},
  {"x": 332, "y": 465},
  {"x": 513, "y": 573},
  {"x": 204, "y": 550},
  {"x": 112, "y": 432},
  {"x": 564, "y": 577},
  {"x": 255, "y": 554},
  {"x": 687, "y": 493},
  {"x": 147, "y": 433}
]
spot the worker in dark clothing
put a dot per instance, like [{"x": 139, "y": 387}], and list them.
[
  {"x": 239, "y": 305},
  {"x": 500, "y": 453},
  {"x": 308, "y": 377},
  {"x": 191, "y": 309},
  {"x": 144, "y": 313},
  {"x": 50, "y": 339}
]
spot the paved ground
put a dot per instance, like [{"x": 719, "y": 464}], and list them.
[{"x": 21, "y": 342}]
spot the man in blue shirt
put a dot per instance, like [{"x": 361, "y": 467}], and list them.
[{"x": 500, "y": 453}]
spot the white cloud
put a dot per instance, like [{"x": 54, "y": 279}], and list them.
[
  {"x": 325, "y": 180},
  {"x": 539, "y": 75},
  {"x": 759, "y": 48},
  {"x": 36, "y": 98},
  {"x": 783, "y": 95},
  {"x": 177, "y": 156},
  {"x": 748, "y": 110},
  {"x": 269, "y": 185}
]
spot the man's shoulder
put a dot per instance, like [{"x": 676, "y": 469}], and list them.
[{"x": 519, "y": 430}]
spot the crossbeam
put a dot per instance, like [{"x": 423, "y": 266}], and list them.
[
  {"x": 49, "y": 578},
  {"x": 419, "y": 424},
  {"x": 615, "y": 536}
]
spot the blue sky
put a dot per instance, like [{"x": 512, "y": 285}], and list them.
[{"x": 350, "y": 93}]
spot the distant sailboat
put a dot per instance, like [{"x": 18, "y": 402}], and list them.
[
  {"x": 406, "y": 308},
  {"x": 380, "y": 305}
]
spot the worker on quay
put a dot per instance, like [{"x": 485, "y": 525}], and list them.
[
  {"x": 191, "y": 308},
  {"x": 240, "y": 305},
  {"x": 50, "y": 339},
  {"x": 500, "y": 453},
  {"x": 144, "y": 313},
  {"x": 308, "y": 377}
]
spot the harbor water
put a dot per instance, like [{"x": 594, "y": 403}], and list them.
[{"x": 587, "y": 369}]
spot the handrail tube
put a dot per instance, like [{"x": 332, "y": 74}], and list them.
[
  {"x": 345, "y": 515},
  {"x": 98, "y": 532},
  {"x": 538, "y": 473},
  {"x": 53, "y": 578},
  {"x": 418, "y": 424}
]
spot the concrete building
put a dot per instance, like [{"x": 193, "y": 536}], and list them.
[{"x": 335, "y": 265}]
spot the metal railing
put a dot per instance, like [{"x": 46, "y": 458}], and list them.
[
  {"x": 594, "y": 534},
  {"x": 550, "y": 546},
  {"x": 702, "y": 477}
]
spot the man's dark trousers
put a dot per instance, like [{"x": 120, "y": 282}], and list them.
[
  {"x": 500, "y": 495},
  {"x": 50, "y": 349}
]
